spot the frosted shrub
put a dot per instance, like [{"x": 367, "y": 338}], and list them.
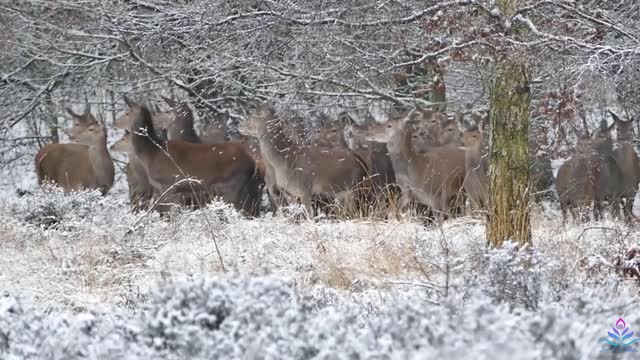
[
  {"x": 513, "y": 275},
  {"x": 51, "y": 207},
  {"x": 180, "y": 315},
  {"x": 267, "y": 318},
  {"x": 506, "y": 275},
  {"x": 26, "y": 334}
]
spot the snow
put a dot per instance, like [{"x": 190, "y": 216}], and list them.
[{"x": 75, "y": 286}]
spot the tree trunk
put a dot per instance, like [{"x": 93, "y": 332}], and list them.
[{"x": 509, "y": 153}]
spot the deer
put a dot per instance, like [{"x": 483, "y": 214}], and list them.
[
  {"x": 540, "y": 170},
  {"x": 140, "y": 189},
  {"x": 628, "y": 162},
  {"x": 433, "y": 178},
  {"x": 374, "y": 153},
  {"x": 226, "y": 170},
  {"x": 381, "y": 173},
  {"x": 590, "y": 177},
  {"x": 125, "y": 121},
  {"x": 216, "y": 130},
  {"x": 83, "y": 164},
  {"x": 476, "y": 183},
  {"x": 303, "y": 173},
  {"x": 178, "y": 121},
  {"x": 429, "y": 130},
  {"x": 328, "y": 134}
]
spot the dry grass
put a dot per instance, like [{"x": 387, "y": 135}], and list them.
[{"x": 84, "y": 262}]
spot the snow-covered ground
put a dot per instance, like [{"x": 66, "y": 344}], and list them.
[{"x": 77, "y": 283}]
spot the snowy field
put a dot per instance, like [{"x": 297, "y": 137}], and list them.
[{"x": 83, "y": 278}]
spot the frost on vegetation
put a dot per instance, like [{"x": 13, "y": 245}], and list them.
[
  {"x": 512, "y": 276},
  {"x": 269, "y": 318},
  {"x": 405, "y": 291},
  {"x": 50, "y": 208}
]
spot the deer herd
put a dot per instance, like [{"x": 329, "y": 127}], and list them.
[{"x": 418, "y": 159}]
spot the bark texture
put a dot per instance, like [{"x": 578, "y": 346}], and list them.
[{"x": 509, "y": 151}]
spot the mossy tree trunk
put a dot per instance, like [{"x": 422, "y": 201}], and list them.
[{"x": 509, "y": 153}]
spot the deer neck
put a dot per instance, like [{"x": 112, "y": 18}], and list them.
[
  {"x": 473, "y": 155},
  {"x": 405, "y": 146},
  {"x": 102, "y": 163},
  {"x": 183, "y": 131},
  {"x": 606, "y": 148},
  {"x": 275, "y": 145}
]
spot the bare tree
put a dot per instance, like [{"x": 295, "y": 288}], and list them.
[{"x": 306, "y": 55}]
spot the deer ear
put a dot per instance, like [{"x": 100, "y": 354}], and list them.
[
  {"x": 615, "y": 117},
  {"x": 604, "y": 126},
  {"x": 169, "y": 101},
  {"x": 266, "y": 110},
  {"x": 130, "y": 103},
  {"x": 87, "y": 108},
  {"x": 70, "y": 112}
]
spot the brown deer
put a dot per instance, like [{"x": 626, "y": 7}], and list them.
[
  {"x": 225, "y": 170},
  {"x": 302, "y": 172},
  {"x": 540, "y": 170},
  {"x": 590, "y": 177},
  {"x": 429, "y": 130},
  {"x": 178, "y": 121},
  {"x": 374, "y": 153},
  {"x": 627, "y": 159},
  {"x": 140, "y": 189},
  {"x": 216, "y": 131},
  {"x": 328, "y": 134},
  {"x": 126, "y": 120},
  {"x": 433, "y": 178},
  {"x": 84, "y": 164},
  {"x": 476, "y": 183}
]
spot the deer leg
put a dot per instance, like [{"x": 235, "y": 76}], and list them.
[
  {"x": 563, "y": 208},
  {"x": 597, "y": 210},
  {"x": 405, "y": 200},
  {"x": 628, "y": 207},
  {"x": 574, "y": 213},
  {"x": 631, "y": 201},
  {"x": 305, "y": 200}
]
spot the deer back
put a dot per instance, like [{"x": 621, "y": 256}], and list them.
[
  {"x": 225, "y": 170},
  {"x": 66, "y": 165}
]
